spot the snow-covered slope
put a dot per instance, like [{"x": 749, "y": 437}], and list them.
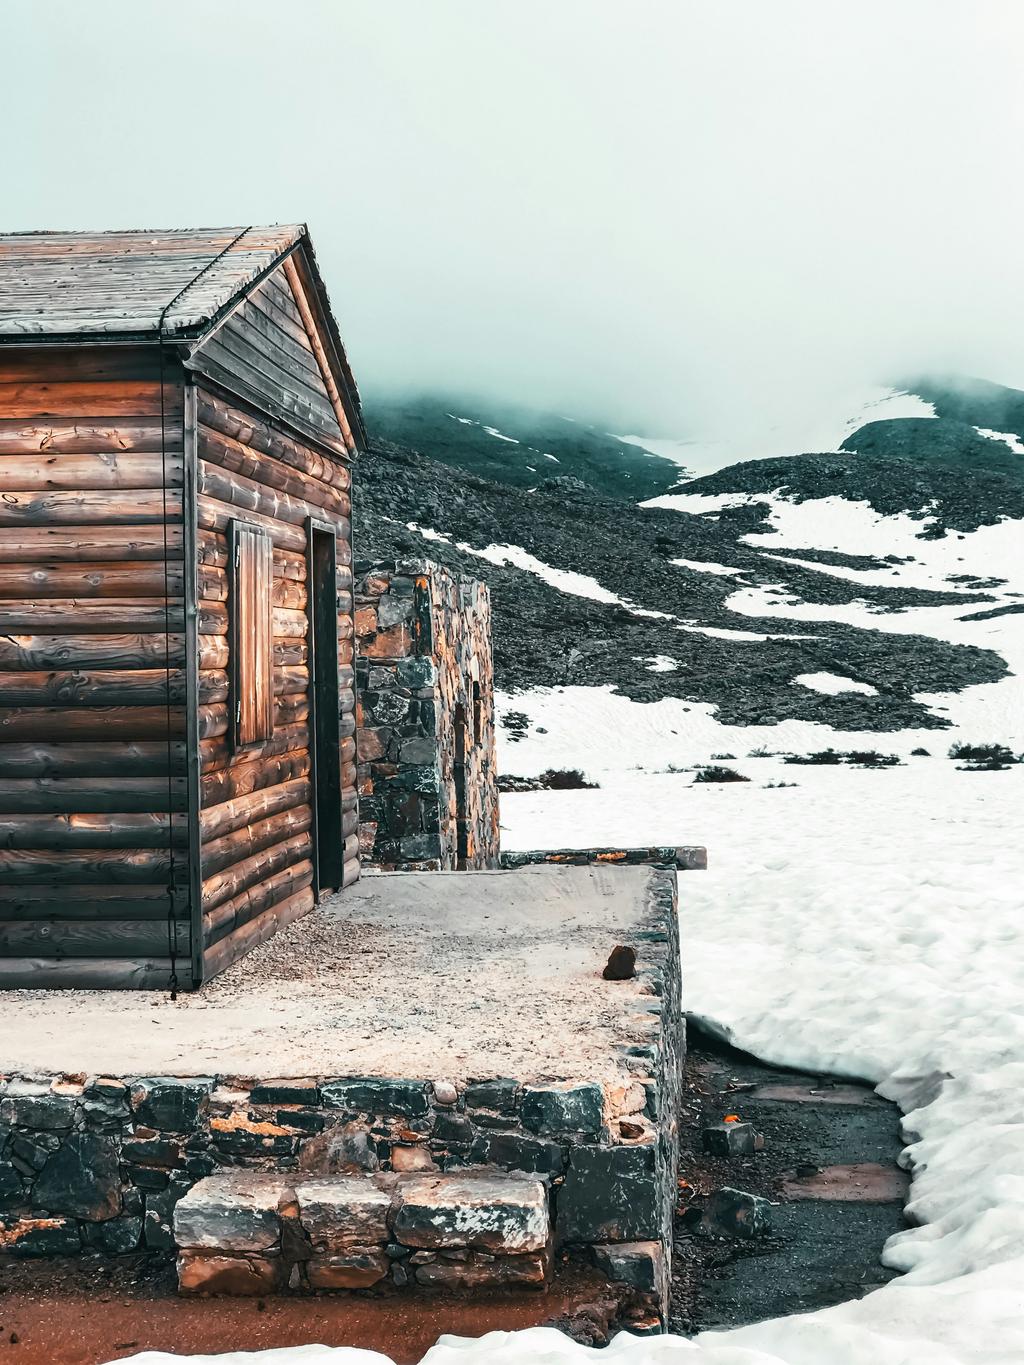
[{"x": 812, "y": 425}]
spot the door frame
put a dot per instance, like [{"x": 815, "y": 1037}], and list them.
[{"x": 324, "y": 710}]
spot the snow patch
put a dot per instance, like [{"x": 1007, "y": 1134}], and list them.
[
  {"x": 833, "y": 685},
  {"x": 1008, "y": 438},
  {"x": 706, "y": 566}
]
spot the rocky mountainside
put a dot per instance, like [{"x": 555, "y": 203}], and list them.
[{"x": 607, "y": 566}]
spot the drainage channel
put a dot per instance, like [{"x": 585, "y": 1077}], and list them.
[{"x": 825, "y": 1162}]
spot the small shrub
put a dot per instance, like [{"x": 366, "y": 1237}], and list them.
[
  {"x": 871, "y": 758},
  {"x": 552, "y": 780},
  {"x": 776, "y": 785},
  {"x": 565, "y": 779},
  {"x": 762, "y": 751},
  {"x": 713, "y": 773},
  {"x": 822, "y": 756},
  {"x": 984, "y": 757},
  {"x": 725, "y": 756},
  {"x": 920, "y": 753}
]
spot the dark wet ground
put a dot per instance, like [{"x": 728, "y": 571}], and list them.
[{"x": 829, "y": 1168}]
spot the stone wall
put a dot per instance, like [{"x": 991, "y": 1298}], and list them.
[
  {"x": 100, "y": 1162},
  {"x": 425, "y": 742}
]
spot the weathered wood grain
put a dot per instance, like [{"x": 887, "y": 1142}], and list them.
[
  {"x": 87, "y": 974},
  {"x": 84, "y": 795},
  {"x": 106, "y": 617},
  {"x": 119, "y": 830},
  {"x": 22, "y": 724},
  {"x": 85, "y": 865},
  {"x": 81, "y": 544},
  {"x": 232, "y": 881},
  {"x": 111, "y": 687},
  {"x": 144, "y": 758},
  {"x": 88, "y": 507},
  {"x": 255, "y": 932},
  {"x": 232, "y": 849},
  {"x": 51, "y": 472},
  {"x": 242, "y": 811},
  {"x": 232, "y": 914},
  {"x": 99, "y": 651},
  {"x": 121, "y": 580},
  {"x": 82, "y": 938}
]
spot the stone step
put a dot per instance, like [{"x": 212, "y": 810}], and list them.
[{"x": 256, "y": 1232}]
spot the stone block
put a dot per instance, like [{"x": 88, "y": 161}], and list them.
[
  {"x": 39, "y": 1237},
  {"x": 12, "y": 1190},
  {"x": 519, "y": 1152},
  {"x": 116, "y": 1237},
  {"x": 41, "y": 1110},
  {"x": 393, "y": 610},
  {"x": 170, "y": 1104},
  {"x": 738, "y": 1214},
  {"x": 420, "y": 750},
  {"x": 153, "y": 1152},
  {"x": 412, "y": 1159},
  {"x": 238, "y": 1135},
  {"x": 392, "y": 643},
  {"x": 529, "y": 1272},
  {"x": 371, "y": 743},
  {"x": 34, "y": 1149},
  {"x": 233, "y": 1211},
  {"x": 341, "y": 1149},
  {"x": 642, "y": 1265},
  {"x": 158, "y": 1220},
  {"x": 729, "y": 1139},
  {"x": 357, "y": 1270},
  {"x": 415, "y": 673},
  {"x": 372, "y": 1095},
  {"x": 500, "y": 1095},
  {"x": 505, "y": 1212},
  {"x": 453, "y": 1128},
  {"x": 286, "y": 1092},
  {"x": 81, "y": 1178},
  {"x": 340, "y": 1213},
  {"x": 610, "y": 1194},
  {"x": 236, "y": 1275},
  {"x": 563, "y": 1108}
]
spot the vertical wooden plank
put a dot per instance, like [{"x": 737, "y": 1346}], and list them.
[
  {"x": 190, "y": 515},
  {"x": 251, "y": 625}
]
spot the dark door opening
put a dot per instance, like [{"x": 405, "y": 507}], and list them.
[{"x": 324, "y": 724}]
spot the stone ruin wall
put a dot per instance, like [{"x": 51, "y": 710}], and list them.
[{"x": 425, "y": 714}]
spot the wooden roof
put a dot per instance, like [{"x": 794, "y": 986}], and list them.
[
  {"x": 104, "y": 285},
  {"x": 108, "y": 287}
]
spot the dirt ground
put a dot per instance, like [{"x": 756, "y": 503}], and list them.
[{"x": 79, "y": 1312}]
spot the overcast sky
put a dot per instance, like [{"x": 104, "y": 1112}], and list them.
[{"x": 676, "y": 216}]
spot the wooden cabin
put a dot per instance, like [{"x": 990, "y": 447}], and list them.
[{"x": 177, "y": 732}]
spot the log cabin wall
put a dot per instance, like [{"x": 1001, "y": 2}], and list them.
[
  {"x": 256, "y": 819},
  {"x": 92, "y": 793}
]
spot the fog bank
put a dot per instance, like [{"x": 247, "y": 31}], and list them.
[{"x": 674, "y": 216}]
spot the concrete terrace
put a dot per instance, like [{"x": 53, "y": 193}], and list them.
[{"x": 423, "y": 975}]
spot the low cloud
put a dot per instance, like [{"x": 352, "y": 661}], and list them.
[{"x": 675, "y": 217}]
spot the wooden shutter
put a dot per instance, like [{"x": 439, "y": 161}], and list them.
[{"x": 252, "y": 634}]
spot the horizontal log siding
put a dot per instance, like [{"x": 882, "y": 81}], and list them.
[
  {"x": 256, "y": 804},
  {"x": 86, "y": 776}
]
